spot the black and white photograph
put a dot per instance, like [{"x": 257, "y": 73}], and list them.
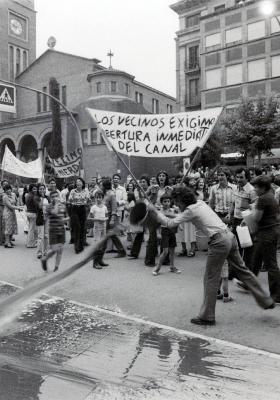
[{"x": 139, "y": 199}]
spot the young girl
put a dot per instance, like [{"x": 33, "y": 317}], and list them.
[
  {"x": 99, "y": 215},
  {"x": 168, "y": 238},
  {"x": 55, "y": 214}
]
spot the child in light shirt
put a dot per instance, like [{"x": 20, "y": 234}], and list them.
[
  {"x": 168, "y": 238},
  {"x": 99, "y": 215}
]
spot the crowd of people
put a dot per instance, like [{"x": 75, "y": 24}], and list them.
[{"x": 93, "y": 209}]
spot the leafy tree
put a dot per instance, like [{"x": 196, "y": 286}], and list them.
[
  {"x": 253, "y": 126},
  {"x": 56, "y": 148},
  {"x": 210, "y": 154}
]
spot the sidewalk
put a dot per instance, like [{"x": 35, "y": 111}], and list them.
[{"x": 61, "y": 350}]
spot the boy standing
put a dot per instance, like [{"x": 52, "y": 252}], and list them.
[
  {"x": 55, "y": 214},
  {"x": 168, "y": 238}
]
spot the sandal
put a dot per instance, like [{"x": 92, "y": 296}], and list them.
[{"x": 155, "y": 272}]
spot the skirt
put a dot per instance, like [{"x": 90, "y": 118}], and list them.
[{"x": 10, "y": 222}]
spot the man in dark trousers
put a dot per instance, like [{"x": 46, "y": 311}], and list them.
[
  {"x": 267, "y": 215},
  {"x": 222, "y": 245}
]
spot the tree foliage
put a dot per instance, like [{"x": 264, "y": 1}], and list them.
[
  {"x": 211, "y": 152},
  {"x": 56, "y": 148},
  {"x": 253, "y": 126}
]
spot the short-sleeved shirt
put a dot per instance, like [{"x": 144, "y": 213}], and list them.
[
  {"x": 99, "y": 212},
  {"x": 271, "y": 212},
  {"x": 243, "y": 197}
]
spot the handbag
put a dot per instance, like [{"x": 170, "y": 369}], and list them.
[{"x": 244, "y": 236}]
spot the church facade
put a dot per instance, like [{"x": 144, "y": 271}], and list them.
[{"x": 83, "y": 83}]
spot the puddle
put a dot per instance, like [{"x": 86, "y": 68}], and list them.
[{"x": 57, "y": 348}]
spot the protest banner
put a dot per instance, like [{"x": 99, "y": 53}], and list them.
[
  {"x": 13, "y": 165},
  {"x": 66, "y": 166},
  {"x": 161, "y": 135}
]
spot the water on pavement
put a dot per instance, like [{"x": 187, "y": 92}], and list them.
[{"x": 60, "y": 350}]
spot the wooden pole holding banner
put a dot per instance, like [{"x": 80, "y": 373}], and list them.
[
  {"x": 109, "y": 145},
  {"x": 197, "y": 154}
]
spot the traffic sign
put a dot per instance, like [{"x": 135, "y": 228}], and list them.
[{"x": 7, "y": 98}]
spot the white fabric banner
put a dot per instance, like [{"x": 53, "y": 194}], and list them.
[
  {"x": 13, "y": 165},
  {"x": 161, "y": 135}
]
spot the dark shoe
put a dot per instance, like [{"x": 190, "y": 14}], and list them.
[
  {"x": 272, "y": 305},
  {"x": 96, "y": 265},
  {"x": 8, "y": 246},
  {"x": 191, "y": 254},
  {"x": 150, "y": 264},
  {"x": 220, "y": 296},
  {"x": 78, "y": 251},
  {"x": 102, "y": 263},
  {"x": 39, "y": 256},
  {"x": 111, "y": 251},
  {"x": 71, "y": 241},
  {"x": 13, "y": 240},
  {"x": 120, "y": 255},
  {"x": 200, "y": 321},
  {"x": 183, "y": 254},
  {"x": 44, "y": 264},
  {"x": 55, "y": 269},
  {"x": 86, "y": 244}
]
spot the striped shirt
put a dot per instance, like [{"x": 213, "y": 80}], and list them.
[
  {"x": 221, "y": 198},
  {"x": 55, "y": 214}
]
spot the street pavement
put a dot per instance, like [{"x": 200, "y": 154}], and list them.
[
  {"x": 59, "y": 349},
  {"x": 121, "y": 333}
]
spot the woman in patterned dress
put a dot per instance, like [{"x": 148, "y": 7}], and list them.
[{"x": 9, "y": 215}]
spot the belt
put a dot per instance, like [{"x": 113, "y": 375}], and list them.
[
  {"x": 224, "y": 214},
  {"x": 219, "y": 234}
]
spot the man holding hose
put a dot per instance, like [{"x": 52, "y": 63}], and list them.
[{"x": 222, "y": 245}]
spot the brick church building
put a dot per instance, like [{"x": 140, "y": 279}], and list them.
[{"x": 83, "y": 83}]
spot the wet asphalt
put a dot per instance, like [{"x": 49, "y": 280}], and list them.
[{"x": 59, "y": 349}]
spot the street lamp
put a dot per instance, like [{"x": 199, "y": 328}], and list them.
[{"x": 268, "y": 8}]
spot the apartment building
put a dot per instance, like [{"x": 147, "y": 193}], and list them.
[{"x": 225, "y": 50}]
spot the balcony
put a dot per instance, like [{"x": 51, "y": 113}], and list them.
[{"x": 192, "y": 67}]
